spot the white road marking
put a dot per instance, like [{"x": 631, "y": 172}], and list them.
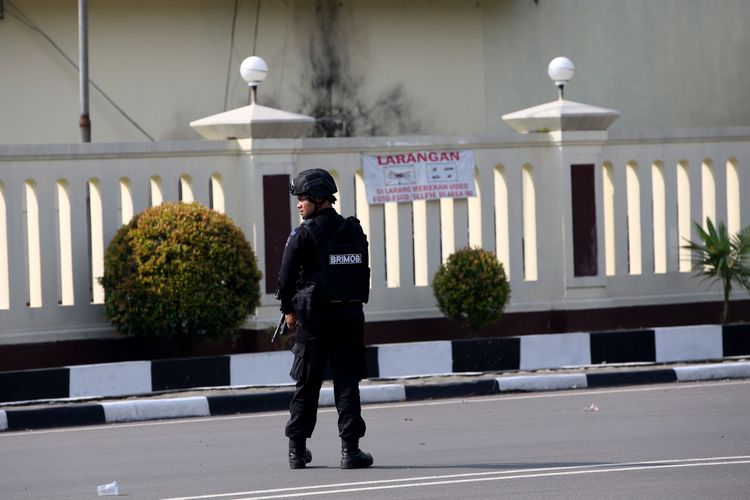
[
  {"x": 374, "y": 407},
  {"x": 452, "y": 479}
]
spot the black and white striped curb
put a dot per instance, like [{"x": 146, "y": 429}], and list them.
[
  {"x": 531, "y": 352},
  {"x": 204, "y": 406}
]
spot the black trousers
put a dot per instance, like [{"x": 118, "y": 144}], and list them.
[{"x": 338, "y": 341}]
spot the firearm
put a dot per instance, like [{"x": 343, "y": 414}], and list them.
[{"x": 281, "y": 329}]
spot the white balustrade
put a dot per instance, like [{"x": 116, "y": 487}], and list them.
[{"x": 61, "y": 204}]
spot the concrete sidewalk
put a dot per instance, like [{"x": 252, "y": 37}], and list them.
[{"x": 237, "y": 400}]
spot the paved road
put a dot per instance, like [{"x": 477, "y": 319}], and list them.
[{"x": 677, "y": 440}]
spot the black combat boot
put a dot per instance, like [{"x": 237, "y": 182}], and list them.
[
  {"x": 352, "y": 457},
  {"x": 299, "y": 455}
]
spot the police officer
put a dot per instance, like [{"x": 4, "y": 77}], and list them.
[{"x": 325, "y": 332}]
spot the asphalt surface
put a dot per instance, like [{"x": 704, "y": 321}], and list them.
[{"x": 687, "y": 440}]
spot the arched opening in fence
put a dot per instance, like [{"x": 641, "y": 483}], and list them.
[
  {"x": 683, "y": 214},
  {"x": 708, "y": 191},
  {"x": 447, "y": 236},
  {"x": 475, "y": 214},
  {"x": 185, "y": 189},
  {"x": 216, "y": 199},
  {"x": 4, "y": 279},
  {"x": 502, "y": 230},
  {"x": 126, "y": 200},
  {"x": 633, "y": 188},
  {"x": 155, "y": 192},
  {"x": 339, "y": 196},
  {"x": 33, "y": 249},
  {"x": 95, "y": 239},
  {"x": 421, "y": 268},
  {"x": 608, "y": 195},
  {"x": 659, "y": 217},
  {"x": 362, "y": 212},
  {"x": 65, "y": 244},
  {"x": 427, "y": 240},
  {"x": 392, "y": 260},
  {"x": 361, "y": 207},
  {"x": 352, "y": 189},
  {"x": 528, "y": 193},
  {"x": 734, "y": 222}
]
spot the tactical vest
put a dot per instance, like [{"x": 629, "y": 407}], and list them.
[{"x": 342, "y": 271}]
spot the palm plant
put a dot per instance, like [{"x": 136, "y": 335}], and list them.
[{"x": 719, "y": 257}]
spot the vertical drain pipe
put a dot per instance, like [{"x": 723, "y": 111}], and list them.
[{"x": 83, "y": 65}]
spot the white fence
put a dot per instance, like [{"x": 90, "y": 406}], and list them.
[{"x": 61, "y": 204}]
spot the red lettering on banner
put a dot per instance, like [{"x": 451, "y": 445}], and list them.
[
  {"x": 419, "y": 157},
  {"x": 399, "y": 189}
]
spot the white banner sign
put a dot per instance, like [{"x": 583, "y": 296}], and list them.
[{"x": 418, "y": 175}]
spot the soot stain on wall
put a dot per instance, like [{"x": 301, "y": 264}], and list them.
[{"x": 335, "y": 96}]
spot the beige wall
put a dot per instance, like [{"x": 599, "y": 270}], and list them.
[
  {"x": 396, "y": 67},
  {"x": 665, "y": 63}
]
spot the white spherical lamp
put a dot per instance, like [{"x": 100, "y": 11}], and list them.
[
  {"x": 253, "y": 70},
  {"x": 561, "y": 70}
]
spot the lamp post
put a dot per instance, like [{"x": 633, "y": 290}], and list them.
[
  {"x": 561, "y": 114},
  {"x": 253, "y": 121},
  {"x": 83, "y": 69},
  {"x": 253, "y": 71},
  {"x": 561, "y": 71}
]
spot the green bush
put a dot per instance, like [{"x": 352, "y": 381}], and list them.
[
  {"x": 472, "y": 288},
  {"x": 181, "y": 271}
]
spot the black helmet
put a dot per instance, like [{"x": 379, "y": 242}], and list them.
[{"x": 315, "y": 182}]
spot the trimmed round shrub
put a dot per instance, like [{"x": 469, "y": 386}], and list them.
[
  {"x": 471, "y": 288},
  {"x": 180, "y": 270}
]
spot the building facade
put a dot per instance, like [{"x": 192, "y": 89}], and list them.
[{"x": 368, "y": 67}]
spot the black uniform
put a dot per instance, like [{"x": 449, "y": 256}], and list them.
[{"x": 326, "y": 333}]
